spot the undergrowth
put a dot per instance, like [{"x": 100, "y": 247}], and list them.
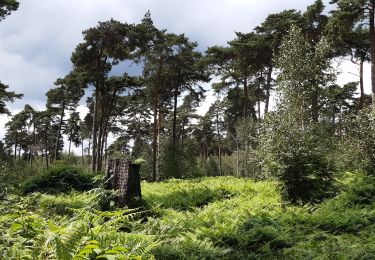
[{"x": 208, "y": 218}]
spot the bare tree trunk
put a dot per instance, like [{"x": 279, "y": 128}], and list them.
[
  {"x": 372, "y": 49},
  {"x": 46, "y": 147},
  {"x": 15, "y": 148},
  {"x": 268, "y": 88},
  {"x": 94, "y": 131},
  {"x": 70, "y": 144},
  {"x": 82, "y": 152},
  {"x": 59, "y": 131},
  {"x": 219, "y": 140},
  {"x": 245, "y": 98},
  {"x": 238, "y": 157},
  {"x": 89, "y": 150},
  {"x": 154, "y": 144},
  {"x": 259, "y": 108},
  {"x": 361, "y": 87},
  {"x": 175, "y": 115}
]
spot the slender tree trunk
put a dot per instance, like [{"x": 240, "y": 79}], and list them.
[
  {"x": 15, "y": 148},
  {"x": 89, "y": 150},
  {"x": 33, "y": 146},
  {"x": 175, "y": 115},
  {"x": 70, "y": 145},
  {"x": 100, "y": 137},
  {"x": 372, "y": 49},
  {"x": 361, "y": 87},
  {"x": 154, "y": 143},
  {"x": 238, "y": 158},
  {"x": 245, "y": 98},
  {"x": 259, "y": 108},
  {"x": 82, "y": 152},
  {"x": 218, "y": 140},
  {"x": 46, "y": 147},
  {"x": 59, "y": 131},
  {"x": 94, "y": 130},
  {"x": 160, "y": 118},
  {"x": 182, "y": 135},
  {"x": 334, "y": 120},
  {"x": 105, "y": 123},
  {"x": 268, "y": 88},
  {"x": 106, "y": 149}
]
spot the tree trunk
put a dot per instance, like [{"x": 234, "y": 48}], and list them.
[
  {"x": 15, "y": 148},
  {"x": 259, "y": 107},
  {"x": 59, "y": 131},
  {"x": 175, "y": 115},
  {"x": 245, "y": 98},
  {"x": 89, "y": 150},
  {"x": 238, "y": 158},
  {"x": 70, "y": 144},
  {"x": 372, "y": 49},
  {"x": 154, "y": 143},
  {"x": 268, "y": 88},
  {"x": 95, "y": 129},
  {"x": 218, "y": 140},
  {"x": 82, "y": 152},
  {"x": 46, "y": 147},
  {"x": 361, "y": 87}
]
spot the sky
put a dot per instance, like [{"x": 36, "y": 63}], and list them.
[{"x": 36, "y": 41}]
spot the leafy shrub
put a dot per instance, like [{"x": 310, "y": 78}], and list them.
[
  {"x": 356, "y": 150},
  {"x": 306, "y": 176},
  {"x": 296, "y": 155},
  {"x": 59, "y": 179}
]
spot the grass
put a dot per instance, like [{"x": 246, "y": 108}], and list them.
[{"x": 208, "y": 218}]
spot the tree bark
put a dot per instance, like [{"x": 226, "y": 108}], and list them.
[
  {"x": 218, "y": 140},
  {"x": 94, "y": 131},
  {"x": 175, "y": 115},
  {"x": 46, "y": 146},
  {"x": 245, "y": 98},
  {"x": 361, "y": 87},
  {"x": 268, "y": 88},
  {"x": 59, "y": 130},
  {"x": 154, "y": 143},
  {"x": 82, "y": 152},
  {"x": 372, "y": 49}
]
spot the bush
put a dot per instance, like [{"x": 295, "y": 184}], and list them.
[
  {"x": 306, "y": 177},
  {"x": 297, "y": 156},
  {"x": 59, "y": 179}
]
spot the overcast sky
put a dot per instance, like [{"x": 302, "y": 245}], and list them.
[{"x": 37, "y": 40}]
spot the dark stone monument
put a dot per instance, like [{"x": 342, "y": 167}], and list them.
[{"x": 123, "y": 176}]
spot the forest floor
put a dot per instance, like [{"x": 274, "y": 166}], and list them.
[{"x": 208, "y": 218}]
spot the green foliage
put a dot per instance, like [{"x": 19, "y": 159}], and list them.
[
  {"x": 6, "y": 7},
  {"x": 297, "y": 157},
  {"x": 356, "y": 150},
  {"x": 208, "y": 218},
  {"x": 59, "y": 179}
]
